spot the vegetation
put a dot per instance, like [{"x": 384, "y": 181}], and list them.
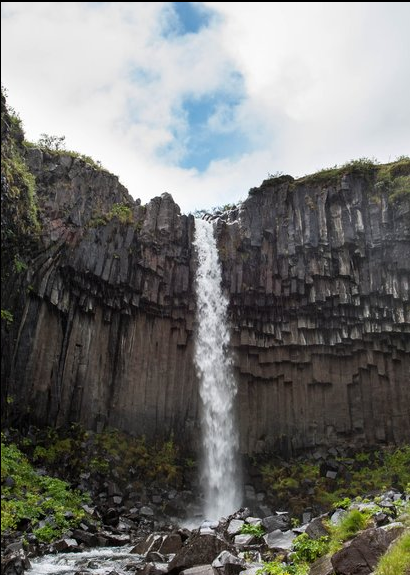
[
  {"x": 397, "y": 560},
  {"x": 255, "y": 530},
  {"x": 350, "y": 524},
  {"x": 307, "y": 550},
  {"x": 56, "y": 145},
  {"x": 48, "y": 504},
  {"x": 6, "y": 316},
  {"x": 302, "y": 483},
  {"x": 120, "y": 211}
]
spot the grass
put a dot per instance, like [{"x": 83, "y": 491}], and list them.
[
  {"x": 397, "y": 559},
  {"x": 350, "y": 524}
]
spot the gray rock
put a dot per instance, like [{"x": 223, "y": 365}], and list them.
[
  {"x": 274, "y": 522},
  {"x": 279, "y": 539},
  {"x": 241, "y": 541},
  {"x": 229, "y": 564},
  {"x": 322, "y": 566},
  {"x": 316, "y": 528},
  {"x": 235, "y": 525},
  {"x": 146, "y": 511},
  {"x": 199, "y": 570},
  {"x": 197, "y": 550}
]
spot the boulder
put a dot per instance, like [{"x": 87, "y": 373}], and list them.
[
  {"x": 171, "y": 543},
  {"x": 65, "y": 545},
  {"x": 279, "y": 539},
  {"x": 228, "y": 563},
  {"x": 14, "y": 563},
  {"x": 198, "y": 550},
  {"x": 361, "y": 555},
  {"x": 274, "y": 522},
  {"x": 316, "y": 528},
  {"x": 199, "y": 570},
  {"x": 322, "y": 566},
  {"x": 235, "y": 526}
]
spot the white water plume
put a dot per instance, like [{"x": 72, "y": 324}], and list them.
[{"x": 220, "y": 473}]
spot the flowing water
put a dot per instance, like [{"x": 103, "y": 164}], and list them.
[
  {"x": 102, "y": 561},
  {"x": 220, "y": 475}
]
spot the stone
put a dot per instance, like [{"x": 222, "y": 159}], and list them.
[
  {"x": 152, "y": 542},
  {"x": 14, "y": 563},
  {"x": 253, "y": 520},
  {"x": 171, "y": 543},
  {"x": 85, "y": 537},
  {"x": 316, "y": 528},
  {"x": 103, "y": 291},
  {"x": 274, "y": 522},
  {"x": 279, "y": 539},
  {"x": 146, "y": 511},
  {"x": 322, "y": 566},
  {"x": 361, "y": 555},
  {"x": 229, "y": 563},
  {"x": 235, "y": 526},
  {"x": 65, "y": 545},
  {"x": 199, "y": 570},
  {"x": 243, "y": 540},
  {"x": 197, "y": 550}
]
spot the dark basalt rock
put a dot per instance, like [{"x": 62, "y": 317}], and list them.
[{"x": 317, "y": 276}]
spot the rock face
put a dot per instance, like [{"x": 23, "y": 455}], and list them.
[{"x": 318, "y": 280}]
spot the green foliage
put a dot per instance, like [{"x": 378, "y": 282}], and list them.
[
  {"x": 256, "y": 530},
  {"x": 28, "y": 496},
  {"x": 120, "y": 211},
  {"x": 350, "y": 524},
  {"x": 307, "y": 549},
  {"x": 342, "y": 503},
  {"x": 397, "y": 559},
  {"x": 278, "y": 568},
  {"x": 7, "y": 316},
  {"x": 365, "y": 167},
  {"x": 19, "y": 264}
]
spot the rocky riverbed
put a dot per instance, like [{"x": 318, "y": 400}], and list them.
[{"x": 238, "y": 544}]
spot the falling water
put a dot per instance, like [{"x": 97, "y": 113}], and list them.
[{"x": 217, "y": 383}]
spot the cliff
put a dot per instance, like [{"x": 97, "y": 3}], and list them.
[{"x": 317, "y": 272}]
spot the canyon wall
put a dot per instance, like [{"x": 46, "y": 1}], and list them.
[{"x": 317, "y": 272}]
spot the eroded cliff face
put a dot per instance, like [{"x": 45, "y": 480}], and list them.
[{"x": 318, "y": 280}]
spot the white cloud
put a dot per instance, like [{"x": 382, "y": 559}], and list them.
[{"x": 325, "y": 82}]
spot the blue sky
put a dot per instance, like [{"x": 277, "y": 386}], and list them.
[{"x": 203, "y": 100}]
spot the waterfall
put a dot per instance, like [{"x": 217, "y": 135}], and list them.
[{"x": 220, "y": 441}]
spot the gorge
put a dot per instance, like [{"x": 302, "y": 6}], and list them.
[{"x": 103, "y": 306}]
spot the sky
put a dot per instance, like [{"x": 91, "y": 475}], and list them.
[{"x": 204, "y": 100}]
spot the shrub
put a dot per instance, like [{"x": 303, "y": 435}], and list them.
[
  {"x": 256, "y": 530},
  {"x": 308, "y": 550}
]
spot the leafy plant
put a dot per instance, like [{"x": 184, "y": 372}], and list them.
[
  {"x": 307, "y": 549},
  {"x": 7, "y": 316},
  {"x": 30, "y": 497},
  {"x": 255, "y": 530}
]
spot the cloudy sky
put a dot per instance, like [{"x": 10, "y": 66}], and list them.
[{"x": 204, "y": 100}]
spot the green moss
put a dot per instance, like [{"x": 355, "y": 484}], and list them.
[
  {"x": 397, "y": 560},
  {"x": 308, "y": 550}
]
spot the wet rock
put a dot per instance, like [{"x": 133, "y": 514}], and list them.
[
  {"x": 361, "y": 555},
  {"x": 85, "y": 537},
  {"x": 14, "y": 563},
  {"x": 150, "y": 543},
  {"x": 197, "y": 550},
  {"x": 146, "y": 511},
  {"x": 171, "y": 543},
  {"x": 65, "y": 545}
]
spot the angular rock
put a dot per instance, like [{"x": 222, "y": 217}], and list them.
[
  {"x": 322, "y": 566},
  {"x": 197, "y": 550},
  {"x": 229, "y": 563},
  {"x": 171, "y": 543},
  {"x": 316, "y": 528},
  {"x": 235, "y": 526},
  {"x": 199, "y": 570},
  {"x": 274, "y": 522},
  {"x": 65, "y": 545},
  {"x": 361, "y": 555},
  {"x": 279, "y": 539},
  {"x": 243, "y": 540}
]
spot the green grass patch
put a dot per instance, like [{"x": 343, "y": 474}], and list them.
[
  {"x": 397, "y": 560},
  {"x": 120, "y": 211},
  {"x": 350, "y": 524}
]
